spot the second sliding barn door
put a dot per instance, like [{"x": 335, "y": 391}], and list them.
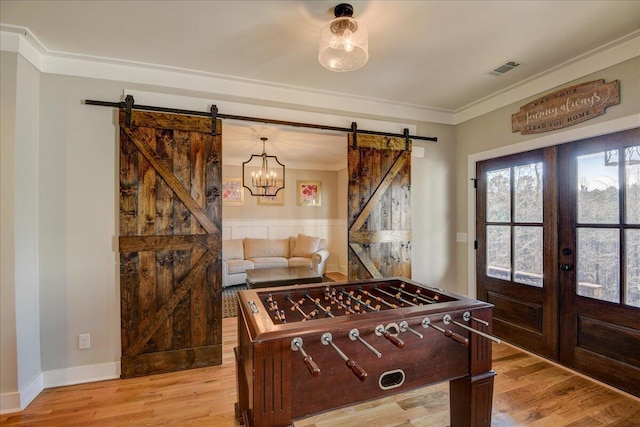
[
  {"x": 170, "y": 243},
  {"x": 379, "y": 207}
]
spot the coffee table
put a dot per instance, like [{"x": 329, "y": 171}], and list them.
[{"x": 281, "y": 276}]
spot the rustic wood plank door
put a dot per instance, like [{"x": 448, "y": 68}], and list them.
[
  {"x": 170, "y": 243},
  {"x": 379, "y": 207}
]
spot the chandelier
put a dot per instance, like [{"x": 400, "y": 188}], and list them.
[
  {"x": 264, "y": 179},
  {"x": 344, "y": 44}
]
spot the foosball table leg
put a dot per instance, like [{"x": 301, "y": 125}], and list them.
[{"x": 471, "y": 400}]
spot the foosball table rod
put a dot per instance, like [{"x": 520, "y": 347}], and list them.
[
  {"x": 360, "y": 373},
  {"x": 447, "y": 332},
  {"x": 447, "y": 319}
]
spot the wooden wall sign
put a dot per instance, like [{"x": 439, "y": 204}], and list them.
[{"x": 566, "y": 107}]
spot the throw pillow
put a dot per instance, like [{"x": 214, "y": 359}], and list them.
[
  {"x": 305, "y": 246},
  {"x": 232, "y": 249}
]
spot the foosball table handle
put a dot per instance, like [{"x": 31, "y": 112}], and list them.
[
  {"x": 383, "y": 332},
  {"x": 357, "y": 370},
  {"x": 447, "y": 332},
  {"x": 311, "y": 366},
  {"x": 458, "y": 338},
  {"x": 296, "y": 345}
]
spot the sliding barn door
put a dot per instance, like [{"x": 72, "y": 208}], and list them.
[
  {"x": 379, "y": 207},
  {"x": 170, "y": 242}
]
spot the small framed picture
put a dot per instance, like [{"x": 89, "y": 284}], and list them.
[
  {"x": 309, "y": 193},
  {"x": 277, "y": 200},
  {"x": 232, "y": 192}
]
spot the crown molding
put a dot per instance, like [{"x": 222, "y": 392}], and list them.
[
  {"x": 623, "y": 49},
  {"x": 53, "y": 62},
  {"x": 22, "y": 41}
]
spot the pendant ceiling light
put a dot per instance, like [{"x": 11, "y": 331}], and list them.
[
  {"x": 260, "y": 174},
  {"x": 344, "y": 44}
]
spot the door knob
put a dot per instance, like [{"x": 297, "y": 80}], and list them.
[{"x": 566, "y": 267}]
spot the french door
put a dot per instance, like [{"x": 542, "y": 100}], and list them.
[
  {"x": 559, "y": 253},
  {"x": 516, "y": 229},
  {"x": 599, "y": 243}
]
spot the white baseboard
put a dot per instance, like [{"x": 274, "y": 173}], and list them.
[
  {"x": 9, "y": 403},
  {"x": 17, "y": 401},
  {"x": 81, "y": 374}
]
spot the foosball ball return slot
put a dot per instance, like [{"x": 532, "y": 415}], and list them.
[{"x": 281, "y": 328}]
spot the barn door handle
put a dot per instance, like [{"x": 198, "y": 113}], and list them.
[
  {"x": 215, "y": 192},
  {"x": 566, "y": 267}
]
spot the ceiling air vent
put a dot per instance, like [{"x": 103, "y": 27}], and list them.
[{"x": 508, "y": 66}]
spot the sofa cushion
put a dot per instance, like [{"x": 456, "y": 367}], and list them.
[
  {"x": 239, "y": 266},
  {"x": 262, "y": 248},
  {"x": 232, "y": 249},
  {"x": 269, "y": 262},
  {"x": 305, "y": 246},
  {"x": 299, "y": 262}
]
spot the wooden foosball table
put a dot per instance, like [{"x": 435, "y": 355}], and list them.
[{"x": 306, "y": 349}]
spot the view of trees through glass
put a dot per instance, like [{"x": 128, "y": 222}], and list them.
[
  {"x": 602, "y": 228},
  {"x": 514, "y": 247},
  {"x": 607, "y": 215}
]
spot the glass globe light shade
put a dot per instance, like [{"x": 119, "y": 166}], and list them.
[{"x": 344, "y": 45}]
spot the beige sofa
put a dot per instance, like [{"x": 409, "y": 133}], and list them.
[{"x": 240, "y": 255}]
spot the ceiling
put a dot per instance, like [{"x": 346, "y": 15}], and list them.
[{"x": 430, "y": 54}]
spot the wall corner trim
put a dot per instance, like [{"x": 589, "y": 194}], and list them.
[{"x": 17, "y": 401}]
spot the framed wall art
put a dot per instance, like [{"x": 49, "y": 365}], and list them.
[
  {"x": 277, "y": 200},
  {"x": 309, "y": 193},
  {"x": 232, "y": 192}
]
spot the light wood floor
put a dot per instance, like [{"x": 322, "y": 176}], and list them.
[{"x": 528, "y": 392}]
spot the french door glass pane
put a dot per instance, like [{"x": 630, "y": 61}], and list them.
[
  {"x": 499, "y": 251},
  {"x": 528, "y": 255},
  {"x": 632, "y": 174},
  {"x": 633, "y": 268},
  {"x": 598, "y": 268},
  {"x": 598, "y": 188},
  {"x": 499, "y": 195},
  {"x": 528, "y": 193}
]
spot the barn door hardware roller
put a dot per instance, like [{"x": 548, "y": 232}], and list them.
[{"x": 130, "y": 105}]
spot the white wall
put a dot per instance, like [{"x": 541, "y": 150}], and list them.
[
  {"x": 8, "y": 345},
  {"x": 79, "y": 286},
  {"x": 26, "y": 224},
  {"x": 21, "y": 369},
  {"x": 290, "y": 209},
  {"x": 433, "y": 208}
]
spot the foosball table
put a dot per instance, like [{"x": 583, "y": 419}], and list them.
[{"x": 305, "y": 349}]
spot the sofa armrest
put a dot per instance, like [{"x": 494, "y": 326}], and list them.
[
  {"x": 320, "y": 256},
  {"x": 319, "y": 261}
]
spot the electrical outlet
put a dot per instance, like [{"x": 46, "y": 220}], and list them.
[{"x": 84, "y": 341}]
